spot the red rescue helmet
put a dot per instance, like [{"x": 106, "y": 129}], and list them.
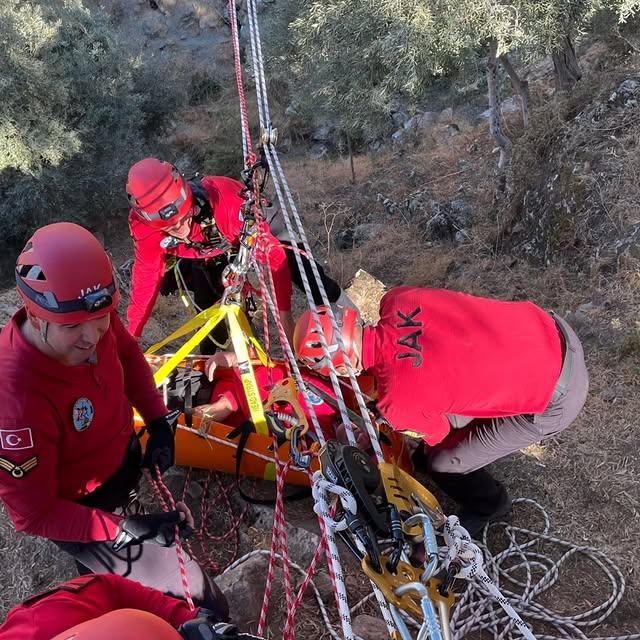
[
  {"x": 64, "y": 275},
  {"x": 122, "y": 624},
  {"x": 306, "y": 340},
  {"x": 158, "y": 193}
]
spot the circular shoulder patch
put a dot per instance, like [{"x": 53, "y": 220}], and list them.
[{"x": 82, "y": 414}]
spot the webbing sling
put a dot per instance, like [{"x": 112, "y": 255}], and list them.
[{"x": 241, "y": 333}]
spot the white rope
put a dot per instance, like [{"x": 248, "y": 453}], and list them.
[
  {"x": 282, "y": 188},
  {"x": 475, "y": 611},
  {"x": 319, "y": 489},
  {"x": 295, "y": 369},
  {"x": 281, "y": 185}
]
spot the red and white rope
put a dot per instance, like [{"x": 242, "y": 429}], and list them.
[
  {"x": 278, "y": 545},
  {"x": 247, "y": 147},
  {"x": 162, "y": 491}
]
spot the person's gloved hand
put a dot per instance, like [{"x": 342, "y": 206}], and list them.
[
  {"x": 205, "y": 628},
  {"x": 363, "y": 441},
  {"x": 159, "y": 528},
  {"x": 161, "y": 447}
]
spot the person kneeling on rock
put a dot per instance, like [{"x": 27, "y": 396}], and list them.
[{"x": 110, "y": 607}]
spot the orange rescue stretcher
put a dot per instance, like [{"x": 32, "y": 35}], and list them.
[{"x": 214, "y": 445}]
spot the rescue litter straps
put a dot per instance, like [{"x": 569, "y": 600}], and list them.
[{"x": 240, "y": 332}]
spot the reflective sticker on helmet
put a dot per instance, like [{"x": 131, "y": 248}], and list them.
[{"x": 313, "y": 398}]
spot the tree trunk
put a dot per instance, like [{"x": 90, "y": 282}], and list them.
[
  {"x": 350, "y": 150},
  {"x": 495, "y": 123},
  {"x": 521, "y": 87},
  {"x": 565, "y": 65}
]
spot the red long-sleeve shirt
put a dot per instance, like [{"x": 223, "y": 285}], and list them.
[
  {"x": 436, "y": 353},
  {"x": 67, "y": 428},
  {"x": 149, "y": 263},
  {"x": 86, "y": 598},
  {"x": 230, "y": 386}
]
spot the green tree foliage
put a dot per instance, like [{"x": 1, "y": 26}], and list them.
[
  {"x": 628, "y": 9},
  {"x": 72, "y": 117},
  {"x": 352, "y": 59}
]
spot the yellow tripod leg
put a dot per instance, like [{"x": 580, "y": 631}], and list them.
[
  {"x": 194, "y": 323},
  {"x": 245, "y": 368},
  {"x": 185, "y": 350}
]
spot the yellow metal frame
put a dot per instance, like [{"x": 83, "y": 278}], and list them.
[{"x": 241, "y": 338}]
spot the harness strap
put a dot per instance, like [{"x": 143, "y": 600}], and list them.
[{"x": 244, "y": 431}]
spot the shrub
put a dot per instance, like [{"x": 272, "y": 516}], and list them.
[{"x": 76, "y": 105}]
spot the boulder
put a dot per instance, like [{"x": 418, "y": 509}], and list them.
[
  {"x": 244, "y": 588},
  {"x": 421, "y": 121},
  {"x": 400, "y": 136},
  {"x": 370, "y": 628},
  {"x": 399, "y": 118},
  {"x": 626, "y": 95},
  {"x": 447, "y": 219},
  {"x": 318, "y": 151},
  {"x": 154, "y": 25},
  {"x": 322, "y": 133},
  {"x": 366, "y": 232},
  {"x": 302, "y": 542},
  {"x": 509, "y": 105},
  {"x": 446, "y": 115}
]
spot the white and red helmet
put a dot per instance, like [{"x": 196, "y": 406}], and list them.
[
  {"x": 64, "y": 275},
  {"x": 306, "y": 339},
  {"x": 158, "y": 193}
]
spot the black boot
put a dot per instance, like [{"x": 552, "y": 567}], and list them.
[{"x": 480, "y": 496}]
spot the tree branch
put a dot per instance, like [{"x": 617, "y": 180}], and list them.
[
  {"x": 495, "y": 122},
  {"x": 521, "y": 87}
]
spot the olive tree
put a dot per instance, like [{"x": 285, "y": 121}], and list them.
[{"x": 71, "y": 117}]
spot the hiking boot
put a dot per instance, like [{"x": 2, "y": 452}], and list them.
[{"x": 474, "y": 523}]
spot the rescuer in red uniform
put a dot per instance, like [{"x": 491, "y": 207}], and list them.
[
  {"x": 198, "y": 221},
  {"x": 475, "y": 378},
  {"x": 110, "y": 607},
  {"x": 69, "y": 458}
]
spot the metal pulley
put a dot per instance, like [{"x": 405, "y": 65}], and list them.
[{"x": 268, "y": 136}]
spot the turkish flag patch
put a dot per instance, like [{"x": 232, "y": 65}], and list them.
[{"x": 16, "y": 439}]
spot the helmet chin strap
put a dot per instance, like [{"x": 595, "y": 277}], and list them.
[{"x": 44, "y": 329}]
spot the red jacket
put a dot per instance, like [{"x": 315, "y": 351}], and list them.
[
  {"x": 230, "y": 386},
  {"x": 86, "y": 598},
  {"x": 149, "y": 264},
  {"x": 436, "y": 353},
  {"x": 67, "y": 429}
]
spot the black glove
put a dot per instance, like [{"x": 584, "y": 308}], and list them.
[
  {"x": 159, "y": 528},
  {"x": 161, "y": 445},
  {"x": 203, "y": 628}
]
